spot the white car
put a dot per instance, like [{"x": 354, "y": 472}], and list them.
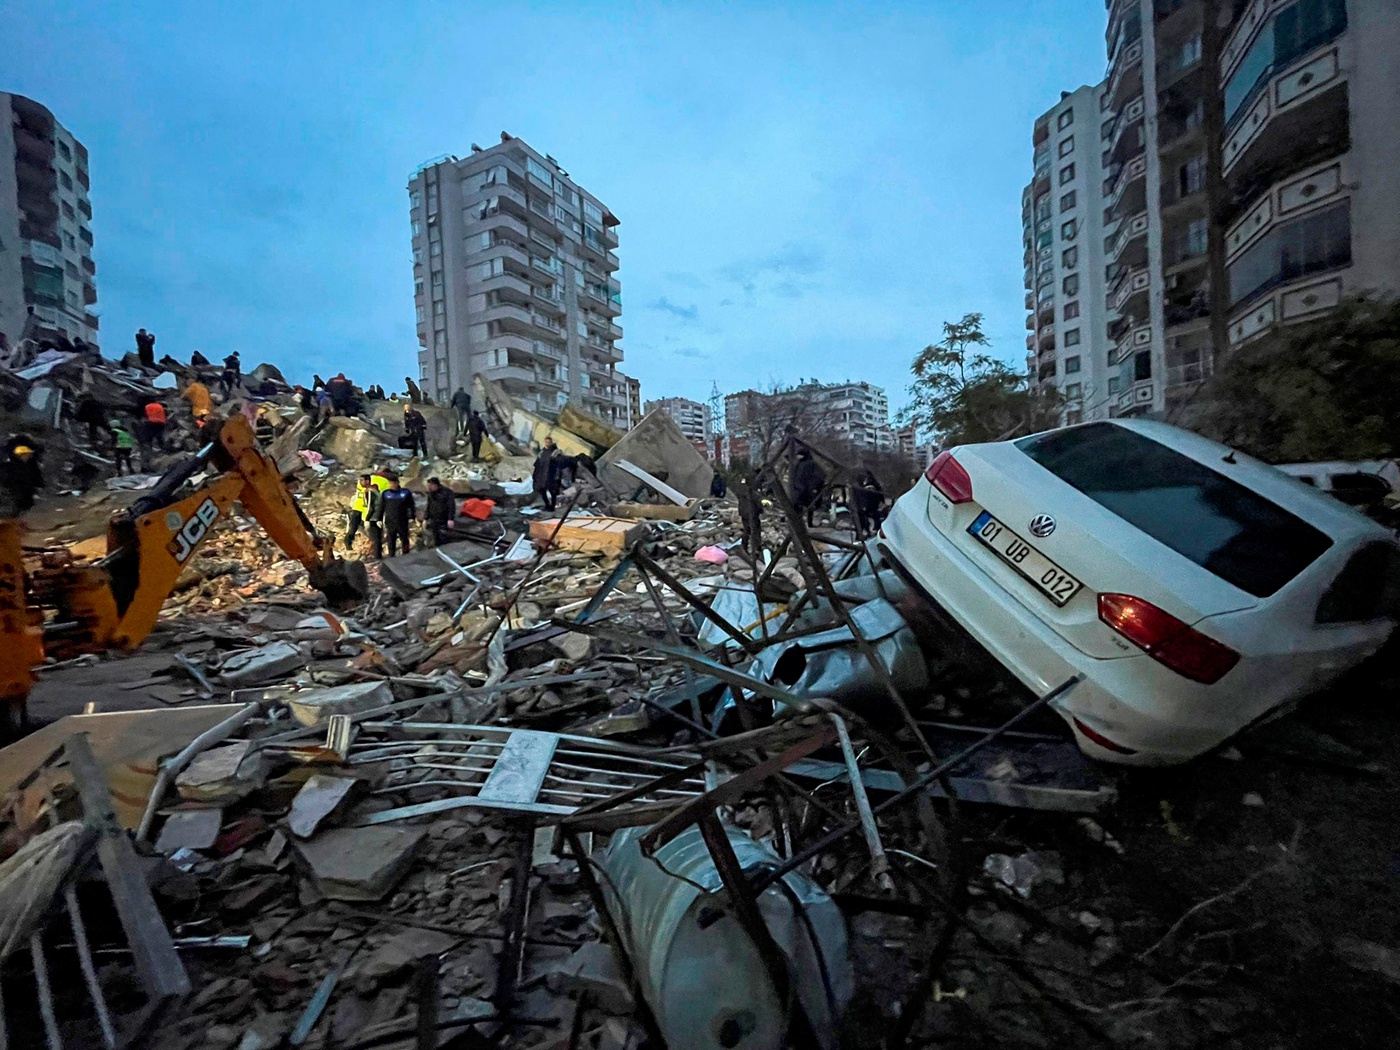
[{"x": 1194, "y": 588}]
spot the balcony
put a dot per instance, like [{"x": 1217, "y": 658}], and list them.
[
  {"x": 1127, "y": 188},
  {"x": 610, "y": 236},
  {"x": 89, "y": 267},
  {"x": 1129, "y": 122},
  {"x": 1303, "y": 110},
  {"x": 1126, "y": 79},
  {"x": 515, "y": 287},
  {"x": 1128, "y": 294},
  {"x": 89, "y": 294},
  {"x": 1030, "y": 323},
  {"x": 1030, "y": 300},
  {"x": 546, "y": 302},
  {"x": 91, "y": 320},
  {"x": 33, "y": 147},
  {"x": 1132, "y": 234},
  {"x": 500, "y": 222}
]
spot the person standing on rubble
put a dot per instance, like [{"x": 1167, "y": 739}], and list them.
[
  {"x": 545, "y": 475},
  {"x": 476, "y": 430},
  {"x": 20, "y": 476},
  {"x": 155, "y": 423},
  {"x": 122, "y": 444},
  {"x": 146, "y": 348},
  {"x": 807, "y": 481},
  {"x": 362, "y": 512},
  {"x": 90, "y": 413},
  {"x": 234, "y": 365},
  {"x": 198, "y": 360},
  {"x": 416, "y": 427},
  {"x": 398, "y": 512},
  {"x": 415, "y": 394},
  {"x": 462, "y": 402},
  {"x": 867, "y": 497},
  {"x": 201, "y": 404},
  {"x": 440, "y": 513}
]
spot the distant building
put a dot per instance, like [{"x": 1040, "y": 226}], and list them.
[
  {"x": 513, "y": 279},
  {"x": 906, "y": 443},
  {"x": 48, "y": 281},
  {"x": 857, "y": 413},
  {"x": 693, "y": 417},
  {"x": 634, "y": 401}
]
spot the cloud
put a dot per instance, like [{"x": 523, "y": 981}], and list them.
[
  {"x": 791, "y": 260},
  {"x": 685, "y": 313},
  {"x": 692, "y": 352}
]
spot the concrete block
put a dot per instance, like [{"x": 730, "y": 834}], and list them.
[
  {"x": 657, "y": 445},
  {"x": 315, "y": 706},
  {"x": 360, "y": 864},
  {"x": 266, "y": 664},
  {"x": 190, "y": 829}
]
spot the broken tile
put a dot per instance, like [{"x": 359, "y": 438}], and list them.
[
  {"x": 360, "y": 864},
  {"x": 213, "y": 775},
  {"x": 318, "y": 798},
  {"x": 190, "y": 829}
]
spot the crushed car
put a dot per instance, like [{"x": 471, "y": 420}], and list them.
[{"x": 1193, "y": 589}]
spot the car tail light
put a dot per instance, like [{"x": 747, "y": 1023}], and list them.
[
  {"x": 1166, "y": 639},
  {"x": 947, "y": 475},
  {"x": 1103, "y": 741}
]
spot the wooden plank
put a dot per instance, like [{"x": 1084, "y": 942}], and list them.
[
  {"x": 162, "y": 973},
  {"x": 605, "y": 535}
]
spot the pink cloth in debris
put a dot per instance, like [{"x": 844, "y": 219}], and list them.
[{"x": 713, "y": 555}]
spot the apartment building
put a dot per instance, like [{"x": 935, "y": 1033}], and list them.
[
  {"x": 634, "y": 402},
  {"x": 48, "y": 282},
  {"x": 514, "y": 278},
  {"x": 1064, "y": 235},
  {"x": 693, "y": 417},
  {"x": 1252, "y": 177},
  {"x": 858, "y": 413}
]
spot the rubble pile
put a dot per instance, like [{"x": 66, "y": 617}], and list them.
[{"x": 634, "y": 772}]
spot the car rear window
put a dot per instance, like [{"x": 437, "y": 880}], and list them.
[{"x": 1219, "y": 524}]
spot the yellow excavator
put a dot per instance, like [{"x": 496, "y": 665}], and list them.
[{"x": 56, "y": 607}]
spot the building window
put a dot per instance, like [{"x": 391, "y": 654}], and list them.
[
  {"x": 1293, "y": 32},
  {"x": 1191, "y": 176},
  {"x": 415, "y": 199},
  {"x": 1071, "y": 284},
  {"x": 1071, "y": 363},
  {"x": 435, "y": 249},
  {"x": 1067, "y": 146},
  {"x": 1067, "y": 230},
  {"x": 1069, "y": 258},
  {"x": 593, "y": 212},
  {"x": 1066, "y": 119},
  {"x": 1066, "y": 174},
  {"x": 422, "y": 314},
  {"x": 1316, "y": 242},
  {"x": 1114, "y": 384},
  {"x": 1072, "y": 339},
  {"x": 1067, "y": 201},
  {"x": 416, "y": 227},
  {"x": 439, "y": 308},
  {"x": 418, "y": 287},
  {"x": 437, "y": 278},
  {"x": 440, "y": 340},
  {"x": 1073, "y": 390},
  {"x": 1106, "y": 130},
  {"x": 66, "y": 180},
  {"x": 1142, "y": 366},
  {"x": 1071, "y": 311}
]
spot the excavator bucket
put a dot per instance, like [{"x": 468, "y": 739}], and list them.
[{"x": 342, "y": 582}]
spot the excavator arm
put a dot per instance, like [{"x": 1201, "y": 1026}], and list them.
[{"x": 114, "y": 603}]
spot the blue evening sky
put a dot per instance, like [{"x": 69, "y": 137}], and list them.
[{"x": 806, "y": 190}]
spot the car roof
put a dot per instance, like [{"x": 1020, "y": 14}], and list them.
[{"x": 1313, "y": 505}]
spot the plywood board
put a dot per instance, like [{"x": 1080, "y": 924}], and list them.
[{"x": 606, "y": 535}]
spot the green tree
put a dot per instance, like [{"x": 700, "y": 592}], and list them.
[
  {"x": 1326, "y": 390},
  {"x": 961, "y": 394}
]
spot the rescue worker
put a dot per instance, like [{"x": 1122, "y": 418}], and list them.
[
  {"x": 545, "y": 476},
  {"x": 198, "y": 360},
  {"x": 397, "y": 512},
  {"x": 462, "y": 402},
  {"x": 415, "y": 395},
  {"x": 806, "y": 484},
  {"x": 362, "y": 505},
  {"x": 234, "y": 365},
  {"x": 439, "y": 514},
  {"x": 90, "y": 413},
  {"x": 122, "y": 444},
  {"x": 476, "y": 430},
  {"x": 717, "y": 486},
  {"x": 20, "y": 477},
  {"x": 155, "y": 423},
  {"x": 416, "y": 427},
  {"x": 201, "y": 404}
]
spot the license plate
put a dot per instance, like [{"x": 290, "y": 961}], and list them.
[{"x": 1056, "y": 584}]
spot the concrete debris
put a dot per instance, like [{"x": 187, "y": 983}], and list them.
[
  {"x": 359, "y": 864},
  {"x": 639, "y": 741}
]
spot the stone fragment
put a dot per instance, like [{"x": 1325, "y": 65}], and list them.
[
  {"x": 213, "y": 775},
  {"x": 266, "y": 664},
  {"x": 399, "y": 953},
  {"x": 315, "y": 706},
  {"x": 190, "y": 829},
  {"x": 360, "y": 864},
  {"x": 318, "y": 798}
]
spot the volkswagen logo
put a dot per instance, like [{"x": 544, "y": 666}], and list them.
[{"x": 1042, "y": 525}]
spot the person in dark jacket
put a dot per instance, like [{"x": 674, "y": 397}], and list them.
[
  {"x": 20, "y": 476},
  {"x": 91, "y": 413},
  {"x": 440, "y": 513},
  {"x": 234, "y": 365},
  {"x": 198, "y": 360},
  {"x": 867, "y": 498},
  {"x": 718, "y": 487},
  {"x": 416, "y": 427},
  {"x": 146, "y": 348},
  {"x": 397, "y": 512},
  {"x": 462, "y": 402},
  {"x": 808, "y": 480},
  {"x": 415, "y": 395},
  {"x": 476, "y": 430},
  {"x": 545, "y": 476}
]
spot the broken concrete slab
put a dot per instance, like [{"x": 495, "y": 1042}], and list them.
[
  {"x": 658, "y": 446},
  {"x": 359, "y": 864},
  {"x": 658, "y": 486},
  {"x": 418, "y": 569},
  {"x": 356, "y": 447},
  {"x": 214, "y": 775},
  {"x": 602, "y": 535},
  {"x": 315, "y": 706},
  {"x": 589, "y": 427},
  {"x": 319, "y": 798},
  {"x": 190, "y": 829},
  {"x": 592, "y": 970},
  {"x": 265, "y": 664},
  {"x": 399, "y": 953}
]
